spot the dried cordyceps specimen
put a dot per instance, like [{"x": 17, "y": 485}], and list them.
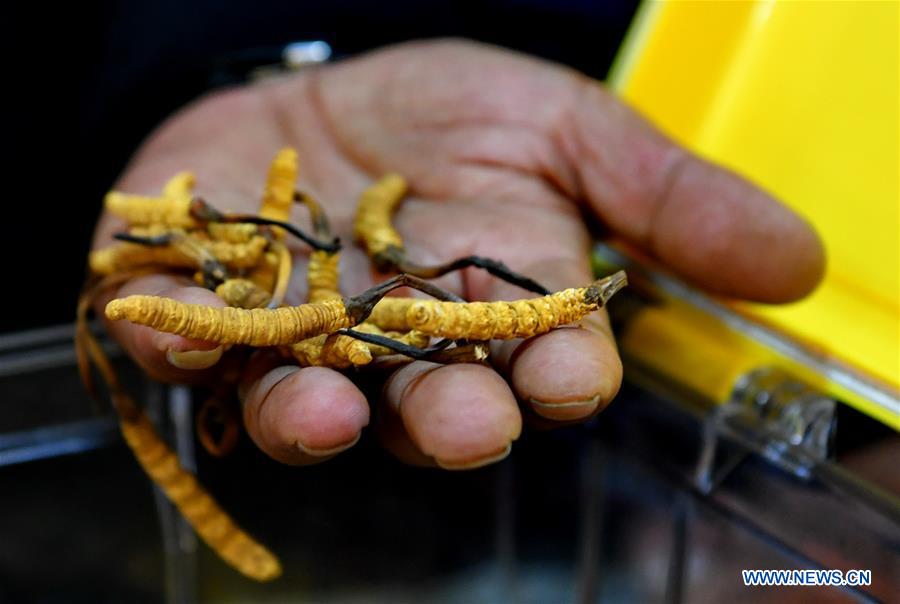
[
  {"x": 240, "y": 232},
  {"x": 373, "y": 229},
  {"x": 507, "y": 320},
  {"x": 243, "y": 293},
  {"x": 323, "y": 283},
  {"x": 372, "y": 225},
  {"x": 244, "y": 258},
  {"x": 203, "y": 212},
  {"x": 390, "y": 313},
  {"x": 453, "y": 320},
  {"x": 331, "y": 350},
  {"x": 171, "y": 209},
  {"x": 177, "y": 249},
  {"x": 258, "y": 327},
  {"x": 282, "y": 274},
  {"x": 160, "y": 463},
  {"x": 255, "y": 327},
  {"x": 342, "y": 351},
  {"x": 413, "y": 338},
  {"x": 213, "y": 525},
  {"x": 278, "y": 196},
  {"x": 322, "y": 276},
  {"x": 166, "y": 232}
]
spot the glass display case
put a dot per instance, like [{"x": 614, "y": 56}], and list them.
[{"x": 659, "y": 499}]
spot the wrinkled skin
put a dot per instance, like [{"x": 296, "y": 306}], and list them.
[{"x": 503, "y": 153}]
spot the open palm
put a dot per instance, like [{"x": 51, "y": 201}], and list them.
[{"x": 503, "y": 153}]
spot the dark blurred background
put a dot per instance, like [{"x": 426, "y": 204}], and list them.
[
  {"x": 86, "y": 82},
  {"x": 602, "y": 511}
]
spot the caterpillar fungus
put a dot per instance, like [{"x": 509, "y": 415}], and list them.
[
  {"x": 175, "y": 249},
  {"x": 507, "y": 320},
  {"x": 499, "y": 320},
  {"x": 336, "y": 351},
  {"x": 278, "y": 195},
  {"x": 170, "y": 209},
  {"x": 160, "y": 463},
  {"x": 203, "y": 212},
  {"x": 453, "y": 320},
  {"x": 213, "y": 525},
  {"x": 324, "y": 350},
  {"x": 236, "y": 255},
  {"x": 258, "y": 326},
  {"x": 323, "y": 270},
  {"x": 243, "y": 293},
  {"x": 323, "y": 276},
  {"x": 265, "y": 274},
  {"x": 323, "y": 284},
  {"x": 390, "y": 313},
  {"x": 239, "y": 232},
  {"x": 372, "y": 225},
  {"x": 331, "y": 350},
  {"x": 412, "y": 338},
  {"x": 373, "y": 229},
  {"x": 372, "y": 218},
  {"x": 341, "y": 351}
]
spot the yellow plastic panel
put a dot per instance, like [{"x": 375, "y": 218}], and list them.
[{"x": 802, "y": 98}]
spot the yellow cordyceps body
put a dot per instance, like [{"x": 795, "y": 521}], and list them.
[
  {"x": 372, "y": 224},
  {"x": 390, "y": 313},
  {"x": 196, "y": 505},
  {"x": 265, "y": 273},
  {"x": 282, "y": 275},
  {"x": 339, "y": 351},
  {"x": 172, "y": 209},
  {"x": 126, "y": 256},
  {"x": 289, "y": 325},
  {"x": 507, "y": 320},
  {"x": 237, "y": 255},
  {"x": 322, "y": 276},
  {"x": 160, "y": 463},
  {"x": 256, "y": 327},
  {"x": 180, "y": 186},
  {"x": 150, "y": 210},
  {"x": 243, "y": 293},
  {"x": 280, "y": 183},
  {"x": 239, "y": 232},
  {"x": 152, "y": 230},
  {"x": 335, "y": 351},
  {"x": 410, "y": 338}
]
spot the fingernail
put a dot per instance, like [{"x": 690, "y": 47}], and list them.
[
  {"x": 194, "y": 359},
  {"x": 565, "y": 410},
  {"x": 313, "y": 452},
  {"x": 471, "y": 465}
]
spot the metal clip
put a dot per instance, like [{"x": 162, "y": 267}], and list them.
[{"x": 774, "y": 415}]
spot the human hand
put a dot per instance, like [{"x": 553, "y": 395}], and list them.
[{"x": 502, "y": 152}]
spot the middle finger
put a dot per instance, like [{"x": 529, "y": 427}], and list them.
[{"x": 454, "y": 416}]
